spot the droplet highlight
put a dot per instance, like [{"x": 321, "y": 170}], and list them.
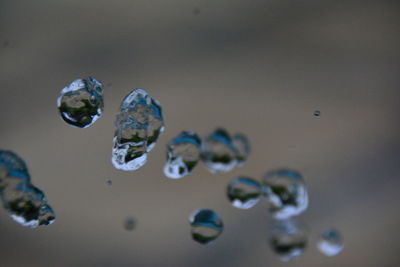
[
  {"x": 330, "y": 243},
  {"x": 24, "y": 203},
  {"x": 183, "y": 154},
  {"x": 286, "y": 192},
  {"x": 81, "y": 103},
  {"x": 206, "y": 226},
  {"x": 138, "y": 125},
  {"x": 244, "y": 193},
  {"x": 288, "y": 239}
]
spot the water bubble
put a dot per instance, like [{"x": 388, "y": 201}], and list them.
[
  {"x": 286, "y": 193},
  {"x": 183, "y": 153},
  {"x": 317, "y": 113},
  {"x": 130, "y": 223},
  {"x": 138, "y": 125},
  {"x": 218, "y": 152},
  {"x": 244, "y": 192},
  {"x": 331, "y": 243},
  {"x": 288, "y": 239},
  {"x": 242, "y": 145},
  {"x": 206, "y": 226},
  {"x": 24, "y": 203},
  {"x": 81, "y": 103}
]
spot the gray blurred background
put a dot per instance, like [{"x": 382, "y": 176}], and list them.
[{"x": 260, "y": 67}]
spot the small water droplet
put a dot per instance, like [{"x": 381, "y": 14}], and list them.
[
  {"x": 81, "y": 103},
  {"x": 286, "y": 192},
  {"x": 183, "y": 153},
  {"x": 109, "y": 182},
  {"x": 288, "y": 239},
  {"x": 317, "y": 113},
  {"x": 331, "y": 243},
  {"x": 242, "y": 145},
  {"x": 138, "y": 125},
  {"x": 206, "y": 226},
  {"x": 130, "y": 223},
  {"x": 244, "y": 192},
  {"x": 24, "y": 203}
]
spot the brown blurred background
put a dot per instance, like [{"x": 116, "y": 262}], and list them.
[{"x": 260, "y": 67}]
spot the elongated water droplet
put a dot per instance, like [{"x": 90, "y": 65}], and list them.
[
  {"x": 206, "y": 226},
  {"x": 183, "y": 153},
  {"x": 81, "y": 103},
  {"x": 331, "y": 243},
  {"x": 242, "y": 145},
  {"x": 218, "y": 152},
  {"x": 24, "y": 203},
  {"x": 286, "y": 193},
  {"x": 244, "y": 192},
  {"x": 130, "y": 223},
  {"x": 138, "y": 125},
  {"x": 288, "y": 239}
]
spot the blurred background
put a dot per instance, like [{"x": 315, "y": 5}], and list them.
[{"x": 260, "y": 67}]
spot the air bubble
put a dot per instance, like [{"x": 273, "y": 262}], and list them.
[
  {"x": 183, "y": 154},
  {"x": 244, "y": 192},
  {"x": 288, "y": 239},
  {"x": 286, "y": 193},
  {"x": 138, "y": 125},
  {"x": 331, "y": 243},
  {"x": 206, "y": 226},
  {"x": 81, "y": 103}
]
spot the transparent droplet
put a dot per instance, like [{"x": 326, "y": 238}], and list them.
[
  {"x": 218, "y": 152},
  {"x": 331, "y": 243},
  {"x": 130, "y": 223},
  {"x": 288, "y": 239},
  {"x": 244, "y": 192},
  {"x": 317, "y": 113},
  {"x": 81, "y": 103},
  {"x": 286, "y": 192},
  {"x": 242, "y": 145},
  {"x": 24, "y": 203},
  {"x": 206, "y": 226},
  {"x": 138, "y": 125},
  {"x": 183, "y": 153}
]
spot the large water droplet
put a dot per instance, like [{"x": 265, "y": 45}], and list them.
[
  {"x": 25, "y": 203},
  {"x": 206, "y": 226},
  {"x": 183, "y": 153},
  {"x": 288, "y": 239},
  {"x": 218, "y": 152},
  {"x": 331, "y": 243},
  {"x": 244, "y": 192},
  {"x": 242, "y": 145},
  {"x": 81, "y": 103},
  {"x": 286, "y": 193},
  {"x": 138, "y": 125}
]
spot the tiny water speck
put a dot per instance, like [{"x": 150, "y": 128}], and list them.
[
  {"x": 317, "y": 113},
  {"x": 206, "y": 226},
  {"x": 130, "y": 223},
  {"x": 109, "y": 182}
]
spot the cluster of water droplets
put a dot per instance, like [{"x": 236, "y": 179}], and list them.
[
  {"x": 24, "y": 203},
  {"x": 138, "y": 125},
  {"x": 81, "y": 103},
  {"x": 206, "y": 226}
]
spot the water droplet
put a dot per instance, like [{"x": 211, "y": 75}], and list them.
[
  {"x": 317, "y": 113},
  {"x": 183, "y": 153},
  {"x": 24, "y": 203},
  {"x": 206, "y": 226},
  {"x": 218, "y": 152},
  {"x": 242, "y": 145},
  {"x": 81, "y": 103},
  {"x": 109, "y": 182},
  {"x": 138, "y": 125},
  {"x": 331, "y": 243},
  {"x": 130, "y": 223},
  {"x": 244, "y": 192},
  {"x": 286, "y": 193},
  {"x": 288, "y": 239}
]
